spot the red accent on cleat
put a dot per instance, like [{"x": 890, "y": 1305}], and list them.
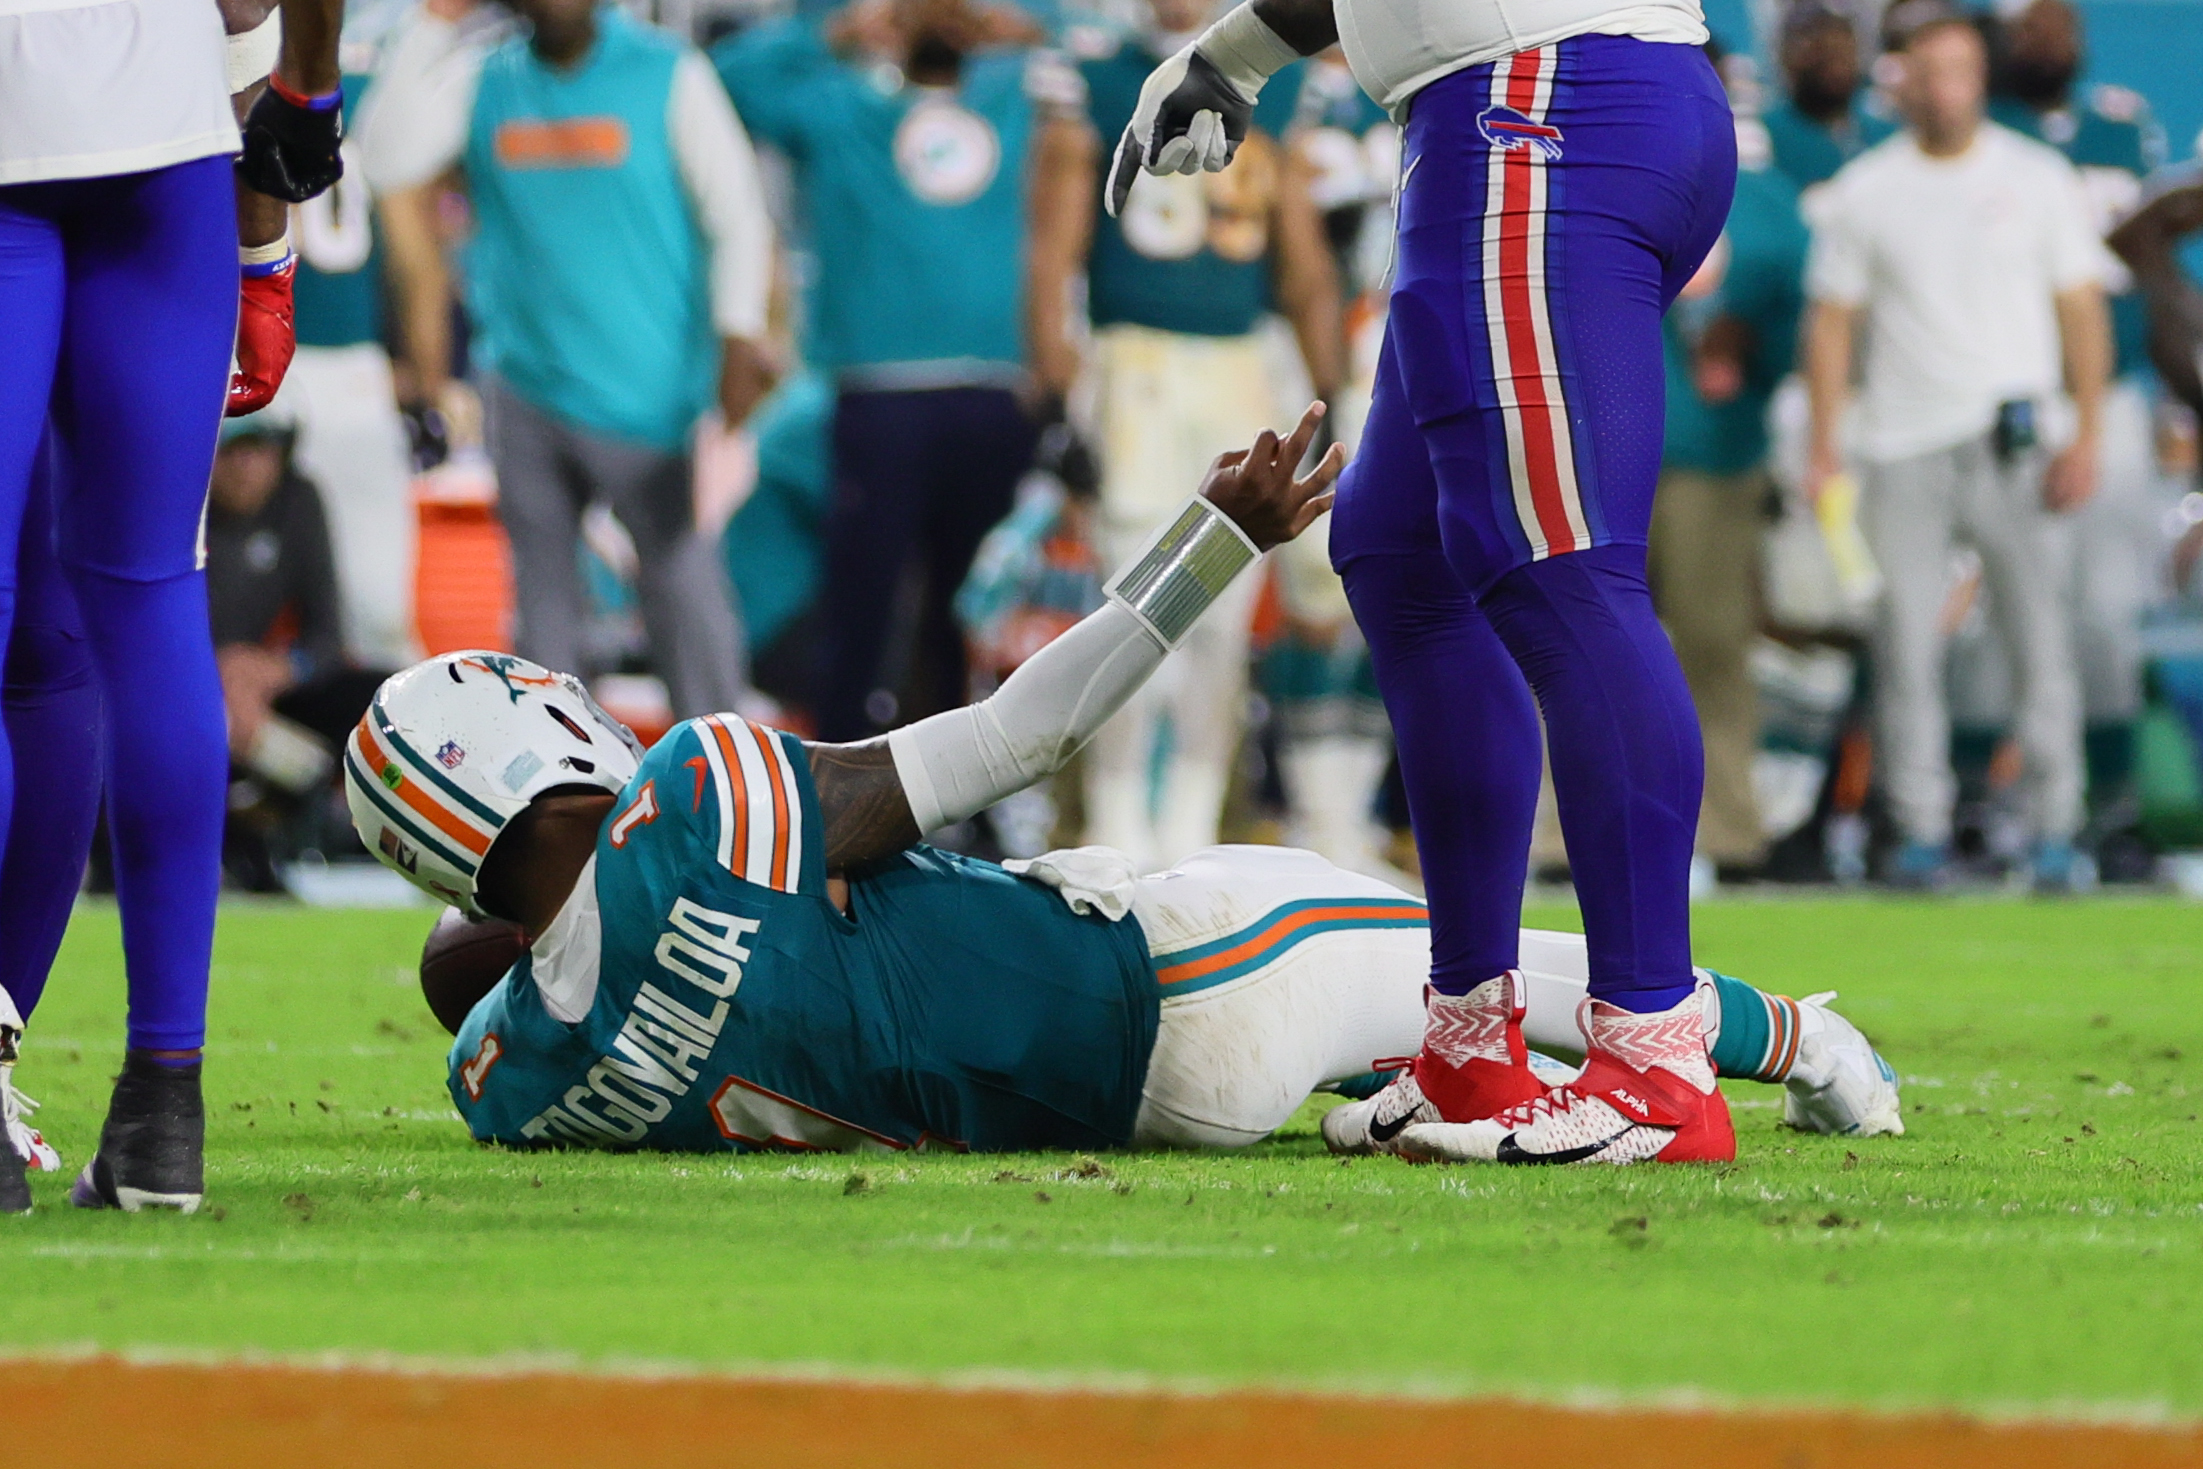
[
  {"x": 1478, "y": 1088},
  {"x": 1657, "y": 1097}
]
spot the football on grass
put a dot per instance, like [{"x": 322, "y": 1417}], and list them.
[{"x": 463, "y": 959}]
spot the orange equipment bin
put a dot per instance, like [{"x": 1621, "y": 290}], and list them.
[{"x": 462, "y": 577}]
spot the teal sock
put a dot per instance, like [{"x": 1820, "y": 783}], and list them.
[{"x": 1759, "y": 1032}]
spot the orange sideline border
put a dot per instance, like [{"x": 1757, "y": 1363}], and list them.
[{"x": 105, "y": 1411}]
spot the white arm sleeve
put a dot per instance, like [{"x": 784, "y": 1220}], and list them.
[
  {"x": 719, "y": 170},
  {"x": 957, "y": 764},
  {"x": 413, "y": 121},
  {"x": 252, "y": 54}
]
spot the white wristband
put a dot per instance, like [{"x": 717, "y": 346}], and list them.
[
  {"x": 1183, "y": 567},
  {"x": 1245, "y": 49},
  {"x": 275, "y": 252}
]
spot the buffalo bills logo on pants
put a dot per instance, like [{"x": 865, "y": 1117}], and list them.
[{"x": 1511, "y": 132}]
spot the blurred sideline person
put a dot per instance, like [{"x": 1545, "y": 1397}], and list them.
[
  {"x": 1176, "y": 286},
  {"x": 1334, "y": 743},
  {"x": 2149, "y": 244},
  {"x": 275, "y": 607},
  {"x": 135, "y": 258},
  {"x": 620, "y": 269},
  {"x": 1822, "y": 121},
  {"x": 2112, "y": 140},
  {"x": 1728, "y": 342},
  {"x": 350, "y": 439},
  {"x": 1966, "y": 255},
  {"x": 707, "y": 969},
  {"x": 430, "y": 61},
  {"x": 909, "y": 125}
]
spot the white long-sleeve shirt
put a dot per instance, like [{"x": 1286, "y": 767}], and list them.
[
  {"x": 95, "y": 88},
  {"x": 413, "y": 126}
]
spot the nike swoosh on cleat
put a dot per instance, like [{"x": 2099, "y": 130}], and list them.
[
  {"x": 1385, "y": 1132},
  {"x": 1511, "y": 1151}
]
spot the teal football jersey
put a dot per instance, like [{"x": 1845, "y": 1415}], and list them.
[
  {"x": 337, "y": 292},
  {"x": 1192, "y": 254},
  {"x": 734, "y": 1006}
]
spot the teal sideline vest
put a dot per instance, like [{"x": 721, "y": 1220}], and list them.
[{"x": 588, "y": 274}]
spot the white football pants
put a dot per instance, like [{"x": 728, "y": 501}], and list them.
[{"x": 1335, "y": 994}]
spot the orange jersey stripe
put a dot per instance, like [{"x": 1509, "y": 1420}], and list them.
[
  {"x": 780, "y": 804},
  {"x": 378, "y": 759},
  {"x": 1270, "y": 937},
  {"x": 738, "y": 851}
]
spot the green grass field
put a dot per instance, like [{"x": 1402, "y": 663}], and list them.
[{"x": 2036, "y": 1239}]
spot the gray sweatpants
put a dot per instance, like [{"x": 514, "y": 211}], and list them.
[
  {"x": 1914, "y": 511},
  {"x": 548, "y": 473}
]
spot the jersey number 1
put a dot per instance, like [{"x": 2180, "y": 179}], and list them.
[{"x": 641, "y": 812}]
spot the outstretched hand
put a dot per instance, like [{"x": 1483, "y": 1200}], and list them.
[{"x": 1256, "y": 488}]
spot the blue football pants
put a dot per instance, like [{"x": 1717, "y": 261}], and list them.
[
  {"x": 1492, "y": 527},
  {"x": 120, "y": 299}
]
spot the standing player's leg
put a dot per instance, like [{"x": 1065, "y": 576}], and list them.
[
  {"x": 1579, "y": 184},
  {"x": 31, "y": 276},
  {"x": 50, "y": 696},
  {"x": 1469, "y": 748},
  {"x": 151, "y": 313}
]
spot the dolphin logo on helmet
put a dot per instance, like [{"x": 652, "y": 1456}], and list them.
[{"x": 524, "y": 730}]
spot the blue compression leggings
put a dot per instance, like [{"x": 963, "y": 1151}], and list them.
[
  {"x": 120, "y": 296},
  {"x": 1492, "y": 527},
  {"x": 49, "y": 693}
]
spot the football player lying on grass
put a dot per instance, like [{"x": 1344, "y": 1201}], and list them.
[{"x": 737, "y": 940}]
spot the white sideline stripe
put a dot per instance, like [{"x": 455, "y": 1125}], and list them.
[{"x": 2148, "y": 1416}]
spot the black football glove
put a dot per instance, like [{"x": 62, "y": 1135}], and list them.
[{"x": 291, "y": 145}]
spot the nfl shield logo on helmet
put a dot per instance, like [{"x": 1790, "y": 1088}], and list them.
[
  {"x": 1510, "y": 132},
  {"x": 450, "y": 756}
]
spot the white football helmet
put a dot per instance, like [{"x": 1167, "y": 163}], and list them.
[{"x": 455, "y": 747}]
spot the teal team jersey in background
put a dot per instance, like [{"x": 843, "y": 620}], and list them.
[
  {"x": 2110, "y": 131},
  {"x": 913, "y": 200},
  {"x": 736, "y": 1007},
  {"x": 1764, "y": 286},
  {"x": 337, "y": 292},
  {"x": 1168, "y": 273},
  {"x": 1809, "y": 153},
  {"x": 587, "y": 277}
]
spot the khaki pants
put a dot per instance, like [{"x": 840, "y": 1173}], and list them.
[
  {"x": 1915, "y": 510},
  {"x": 1167, "y": 404},
  {"x": 1705, "y": 581}
]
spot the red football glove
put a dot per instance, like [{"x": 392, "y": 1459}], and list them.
[{"x": 267, "y": 335}]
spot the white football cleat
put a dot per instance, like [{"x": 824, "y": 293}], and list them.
[
  {"x": 15, "y": 1108},
  {"x": 1839, "y": 1083},
  {"x": 1473, "y": 1064}
]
